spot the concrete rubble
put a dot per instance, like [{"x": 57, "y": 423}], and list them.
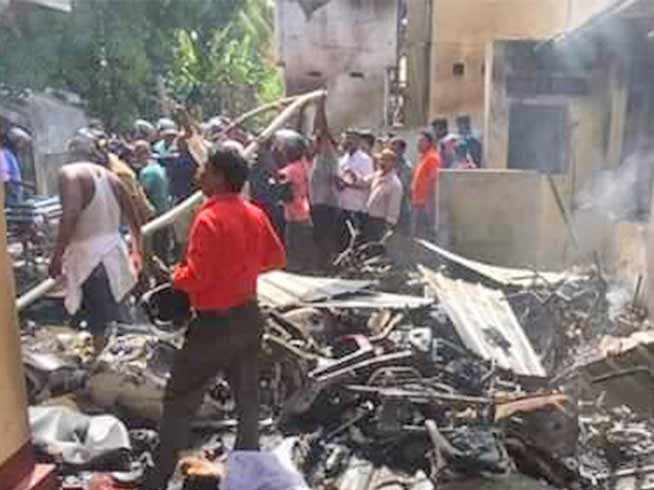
[{"x": 390, "y": 375}]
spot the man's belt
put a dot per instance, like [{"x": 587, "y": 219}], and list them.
[
  {"x": 212, "y": 314},
  {"x": 219, "y": 312}
]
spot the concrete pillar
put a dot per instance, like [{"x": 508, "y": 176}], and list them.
[
  {"x": 17, "y": 466},
  {"x": 618, "y": 94},
  {"x": 418, "y": 52},
  {"x": 496, "y": 108}
]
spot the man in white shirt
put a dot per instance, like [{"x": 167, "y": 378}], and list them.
[
  {"x": 354, "y": 166},
  {"x": 385, "y": 199}
]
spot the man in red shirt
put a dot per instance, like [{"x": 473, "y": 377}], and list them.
[
  {"x": 231, "y": 242},
  {"x": 424, "y": 188}
]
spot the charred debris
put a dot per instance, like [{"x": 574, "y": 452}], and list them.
[{"x": 385, "y": 375}]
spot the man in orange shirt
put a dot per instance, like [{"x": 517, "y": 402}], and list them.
[
  {"x": 230, "y": 244},
  {"x": 424, "y": 188}
]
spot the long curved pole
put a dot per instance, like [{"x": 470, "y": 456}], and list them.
[
  {"x": 166, "y": 219},
  {"x": 277, "y": 105}
]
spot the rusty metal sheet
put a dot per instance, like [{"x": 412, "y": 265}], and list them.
[
  {"x": 505, "y": 276},
  {"x": 486, "y": 324},
  {"x": 279, "y": 288}
]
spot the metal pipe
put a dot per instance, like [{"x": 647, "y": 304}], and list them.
[
  {"x": 35, "y": 293},
  {"x": 171, "y": 216},
  {"x": 279, "y": 104}
]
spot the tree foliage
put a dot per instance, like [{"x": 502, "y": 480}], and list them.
[
  {"x": 120, "y": 54},
  {"x": 227, "y": 69}
]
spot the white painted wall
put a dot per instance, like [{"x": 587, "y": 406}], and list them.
[{"x": 340, "y": 38}]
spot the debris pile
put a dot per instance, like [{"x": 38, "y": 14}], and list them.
[{"x": 449, "y": 375}]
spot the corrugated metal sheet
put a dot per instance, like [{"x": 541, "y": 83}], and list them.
[
  {"x": 506, "y": 276},
  {"x": 279, "y": 288},
  {"x": 375, "y": 300},
  {"x": 486, "y": 324}
]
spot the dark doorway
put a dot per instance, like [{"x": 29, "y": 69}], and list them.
[{"x": 539, "y": 137}]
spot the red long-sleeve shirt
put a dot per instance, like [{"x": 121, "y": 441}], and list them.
[{"x": 230, "y": 244}]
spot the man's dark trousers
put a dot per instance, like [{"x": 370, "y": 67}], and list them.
[{"x": 229, "y": 342}]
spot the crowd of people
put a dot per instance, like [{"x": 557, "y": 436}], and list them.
[
  {"x": 323, "y": 195},
  {"x": 310, "y": 197}
]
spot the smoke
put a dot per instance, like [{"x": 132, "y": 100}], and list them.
[
  {"x": 620, "y": 194},
  {"x": 609, "y": 199}
]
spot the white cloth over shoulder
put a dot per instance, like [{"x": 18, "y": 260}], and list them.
[
  {"x": 259, "y": 470},
  {"x": 96, "y": 241}
]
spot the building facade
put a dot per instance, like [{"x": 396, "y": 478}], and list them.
[{"x": 346, "y": 46}]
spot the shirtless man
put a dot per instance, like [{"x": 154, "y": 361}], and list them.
[{"x": 90, "y": 252}]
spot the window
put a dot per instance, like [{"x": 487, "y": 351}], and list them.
[
  {"x": 538, "y": 137},
  {"x": 458, "y": 69}
]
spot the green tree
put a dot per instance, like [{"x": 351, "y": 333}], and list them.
[
  {"x": 226, "y": 70},
  {"x": 116, "y": 53}
]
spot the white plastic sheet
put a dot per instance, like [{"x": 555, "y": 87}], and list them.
[
  {"x": 75, "y": 438},
  {"x": 260, "y": 470}
]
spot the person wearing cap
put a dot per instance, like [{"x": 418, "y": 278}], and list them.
[
  {"x": 355, "y": 165},
  {"x": 90, "y": 251},
  {"x": 367, "y": 142},
  {"x": 166, "y": 148},
  {"x": 144, "y": 130},
  {"x": 424, "y": 187},
  {"x": 385, "y": 199},
  {"x": 230, "y": 244}
]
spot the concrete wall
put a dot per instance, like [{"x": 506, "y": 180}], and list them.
[
  {"x": 52, "y": 122},
  {"x": 596, "y": 131},
  {"x": 461, "y": 31},
  {"x": 13, "y": 400},
  {"x": 342, "y": 38},
  {"x": 596, "y": 119},
  {"x": 503, "y": 217},
  {"x": 510, "y": 218},
  {"x": 493, "y": 214}
]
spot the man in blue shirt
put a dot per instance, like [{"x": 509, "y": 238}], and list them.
[
  {"x": 10, "y": 168},
  {"x": 153, "y": 179}
]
